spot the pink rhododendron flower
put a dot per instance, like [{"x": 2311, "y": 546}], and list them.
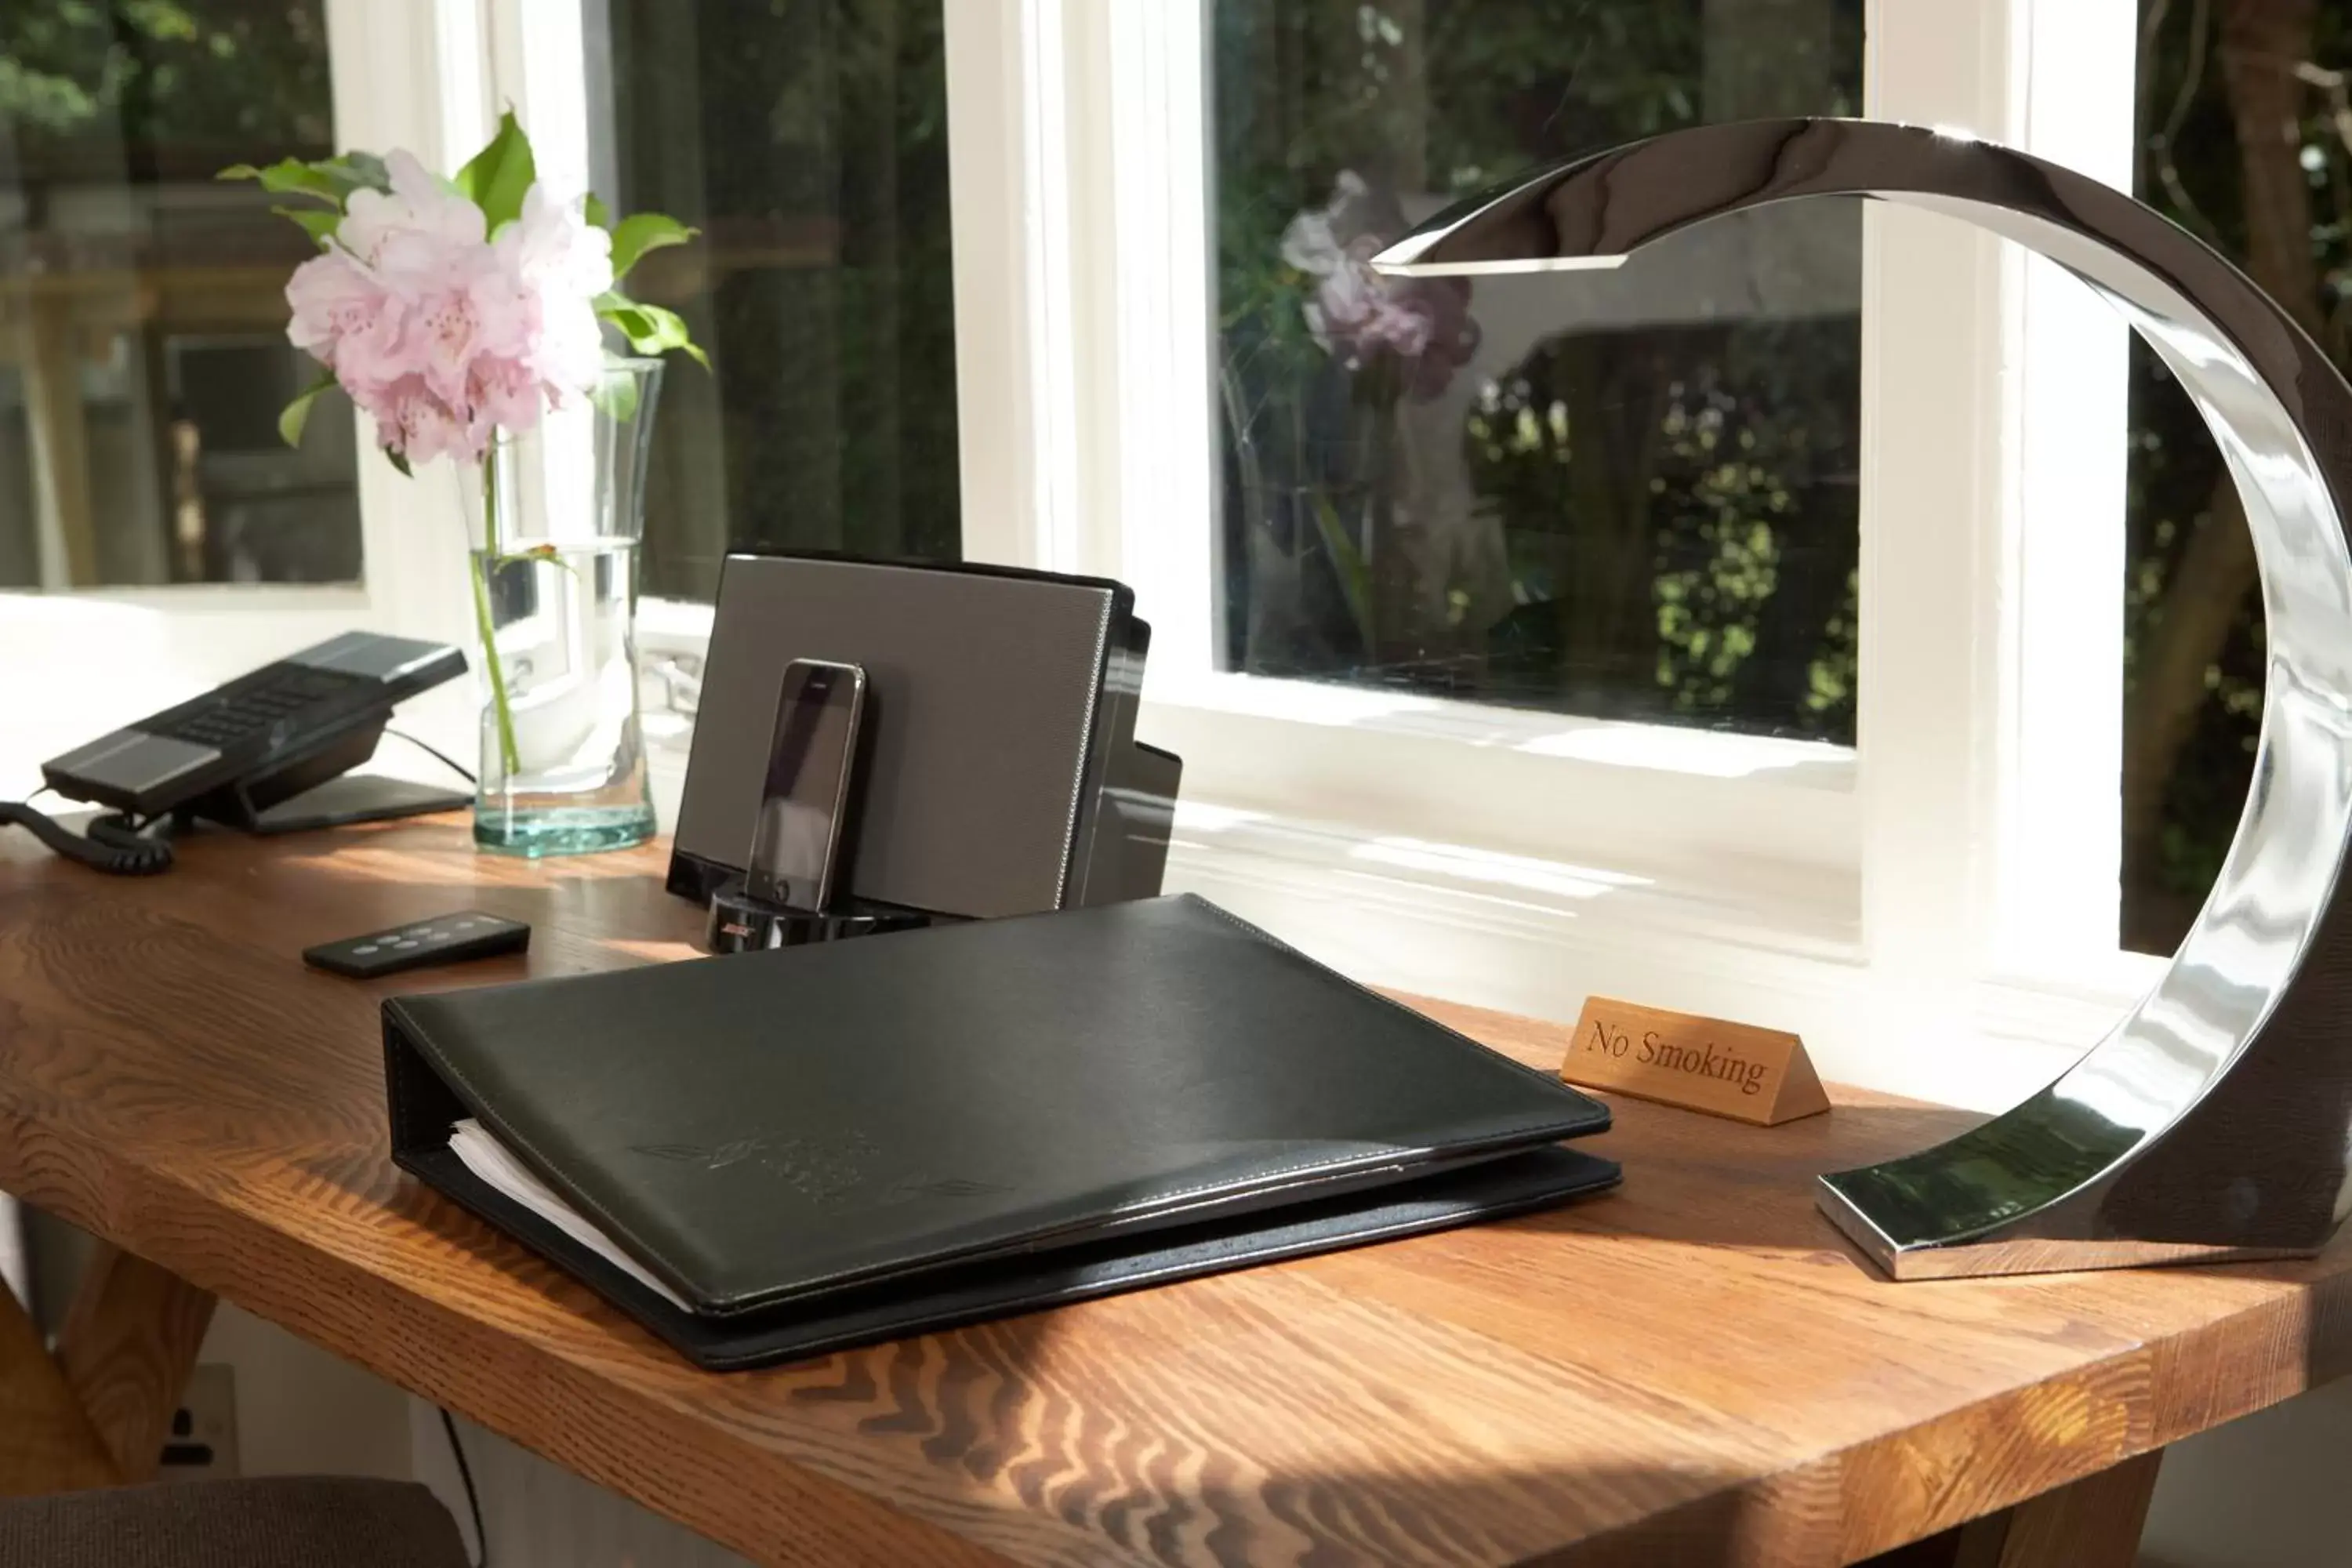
[
  {"x": 1358, "y": 315},
  {"x": 560, "y": 262},
  {"x": 413, "y": 232},
  {"x": 415, "y": 423},
  {"x": 443, "y": 333}
]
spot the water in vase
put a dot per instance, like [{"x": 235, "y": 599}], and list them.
[{"x": 563, "y": 757}]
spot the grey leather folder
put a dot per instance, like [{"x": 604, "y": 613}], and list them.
[{"x": 823, "y": 1146}]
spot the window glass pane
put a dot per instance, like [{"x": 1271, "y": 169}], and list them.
[
  {"x": 2217, "y": 86},
  {"x": 807, "y": 139},
  {"x": 1629, "y": 494},
  {"x": 143, "y": 310}
]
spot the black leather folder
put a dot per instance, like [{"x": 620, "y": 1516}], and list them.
[{"x": 825, "y": 1146}]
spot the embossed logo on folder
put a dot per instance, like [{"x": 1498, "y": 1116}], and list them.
[
  {"x": 827, "y": 1175},
  {"x": 822, "y": 1172}
]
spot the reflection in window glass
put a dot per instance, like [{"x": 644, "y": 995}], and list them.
[
  {"x": 1628, "y": 494},
  {"x": 143, "y": 310},
  {"x": 2216, "y": 83},
  {"x": 807, "y": 139}
]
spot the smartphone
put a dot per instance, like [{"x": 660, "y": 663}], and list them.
[{"x": 812, "y": 755}]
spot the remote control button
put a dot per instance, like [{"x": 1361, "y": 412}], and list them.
[
  {"x": 404, "y": 943},
  {"x": 364, "y": 948}
]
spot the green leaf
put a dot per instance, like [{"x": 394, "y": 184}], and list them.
[
  {"x": 598, "y": 213},
  {"x": 545, "y": 554},
  {"x": 316, "y": 222},
  {"x": 366, "y": 171},
  {"x": 399, "y": 460},
  {"x": 1348, "y": 564},
  {"x": 497, "y": 176},
  {"x": 326, "y": 180},
  {"x": 641, "y": 231},
  {"x": 288, "y": 177},
  {"x": 616, "y": 394},
  {"x": 649, "y": 328},
  {"x": 296, "y": 414}
]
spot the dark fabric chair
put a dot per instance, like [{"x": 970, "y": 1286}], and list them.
[{"x": 279, "y": 1521}]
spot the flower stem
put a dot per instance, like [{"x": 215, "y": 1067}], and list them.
[{"x": 510, "y": 756}]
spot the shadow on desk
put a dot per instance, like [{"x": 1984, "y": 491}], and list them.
[
  {"x": 1701, "y": 1181},
  {"x": 581, "y": 911}
]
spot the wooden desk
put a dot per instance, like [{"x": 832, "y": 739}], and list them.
[{"x": 1695, "y": 1370}]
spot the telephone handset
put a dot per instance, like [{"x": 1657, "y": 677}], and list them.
[{"x": 273, "y": 742}]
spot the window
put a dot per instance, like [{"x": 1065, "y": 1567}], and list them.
[
  {"x": 1631, "y": 495},
  {"x": 807, "y": 139},
  {"x": 1738, "y": 631},
  {"x": 142, "y": 352}
]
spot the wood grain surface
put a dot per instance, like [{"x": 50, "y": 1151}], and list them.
[{"x": 1695, "y": 1369}]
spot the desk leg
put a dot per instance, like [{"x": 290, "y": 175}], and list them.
[
  {"x": 47, "y": 1443},
  {"x": 128, "y": 1343},
  {"x": 99, "y": 1412},
  {"x": 2094, "y": 1522}
]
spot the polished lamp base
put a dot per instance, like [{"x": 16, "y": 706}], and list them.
[{"x": 2215, "y": 1122}]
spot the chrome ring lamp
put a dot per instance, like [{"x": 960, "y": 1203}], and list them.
[{"x": 2215, "y": 1122}]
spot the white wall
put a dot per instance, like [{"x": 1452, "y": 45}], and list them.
[
  {"x": 302, "y": 1411},
  {"x": 2267, "y": 1491}
]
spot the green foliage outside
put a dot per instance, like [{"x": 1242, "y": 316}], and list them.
[
  {"x": 1676, "y": 504},
  {"x": 2213, "y": 76},
  {"x": 807, "y": 139},
  {"x": 185, "y": 85}
]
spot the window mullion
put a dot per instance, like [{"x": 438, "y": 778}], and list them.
[
  {"x": 1008, "y": 83},
  {"x": 1990, "y": 709},
  {"x": 2057, "y": 895},
  {"x": 1931, "y": 579},
  {"x": 413, "y": 76},
  {"x": 1159, "y": 325}
]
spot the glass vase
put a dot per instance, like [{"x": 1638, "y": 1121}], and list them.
[{"x": 554, "y": 517}]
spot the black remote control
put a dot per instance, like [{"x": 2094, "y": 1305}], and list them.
[{"x": 444, "y": 939}]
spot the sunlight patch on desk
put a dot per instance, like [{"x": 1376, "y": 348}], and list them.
[{"x": 655, "y": 951}]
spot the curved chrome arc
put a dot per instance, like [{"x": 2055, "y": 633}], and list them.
[{"x": 2216, "y": 1120}]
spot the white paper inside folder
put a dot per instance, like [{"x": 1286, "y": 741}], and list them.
[{"x": 495, "y": 1166}]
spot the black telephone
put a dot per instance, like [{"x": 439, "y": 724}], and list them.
[{"x": 263, "y": 754}]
